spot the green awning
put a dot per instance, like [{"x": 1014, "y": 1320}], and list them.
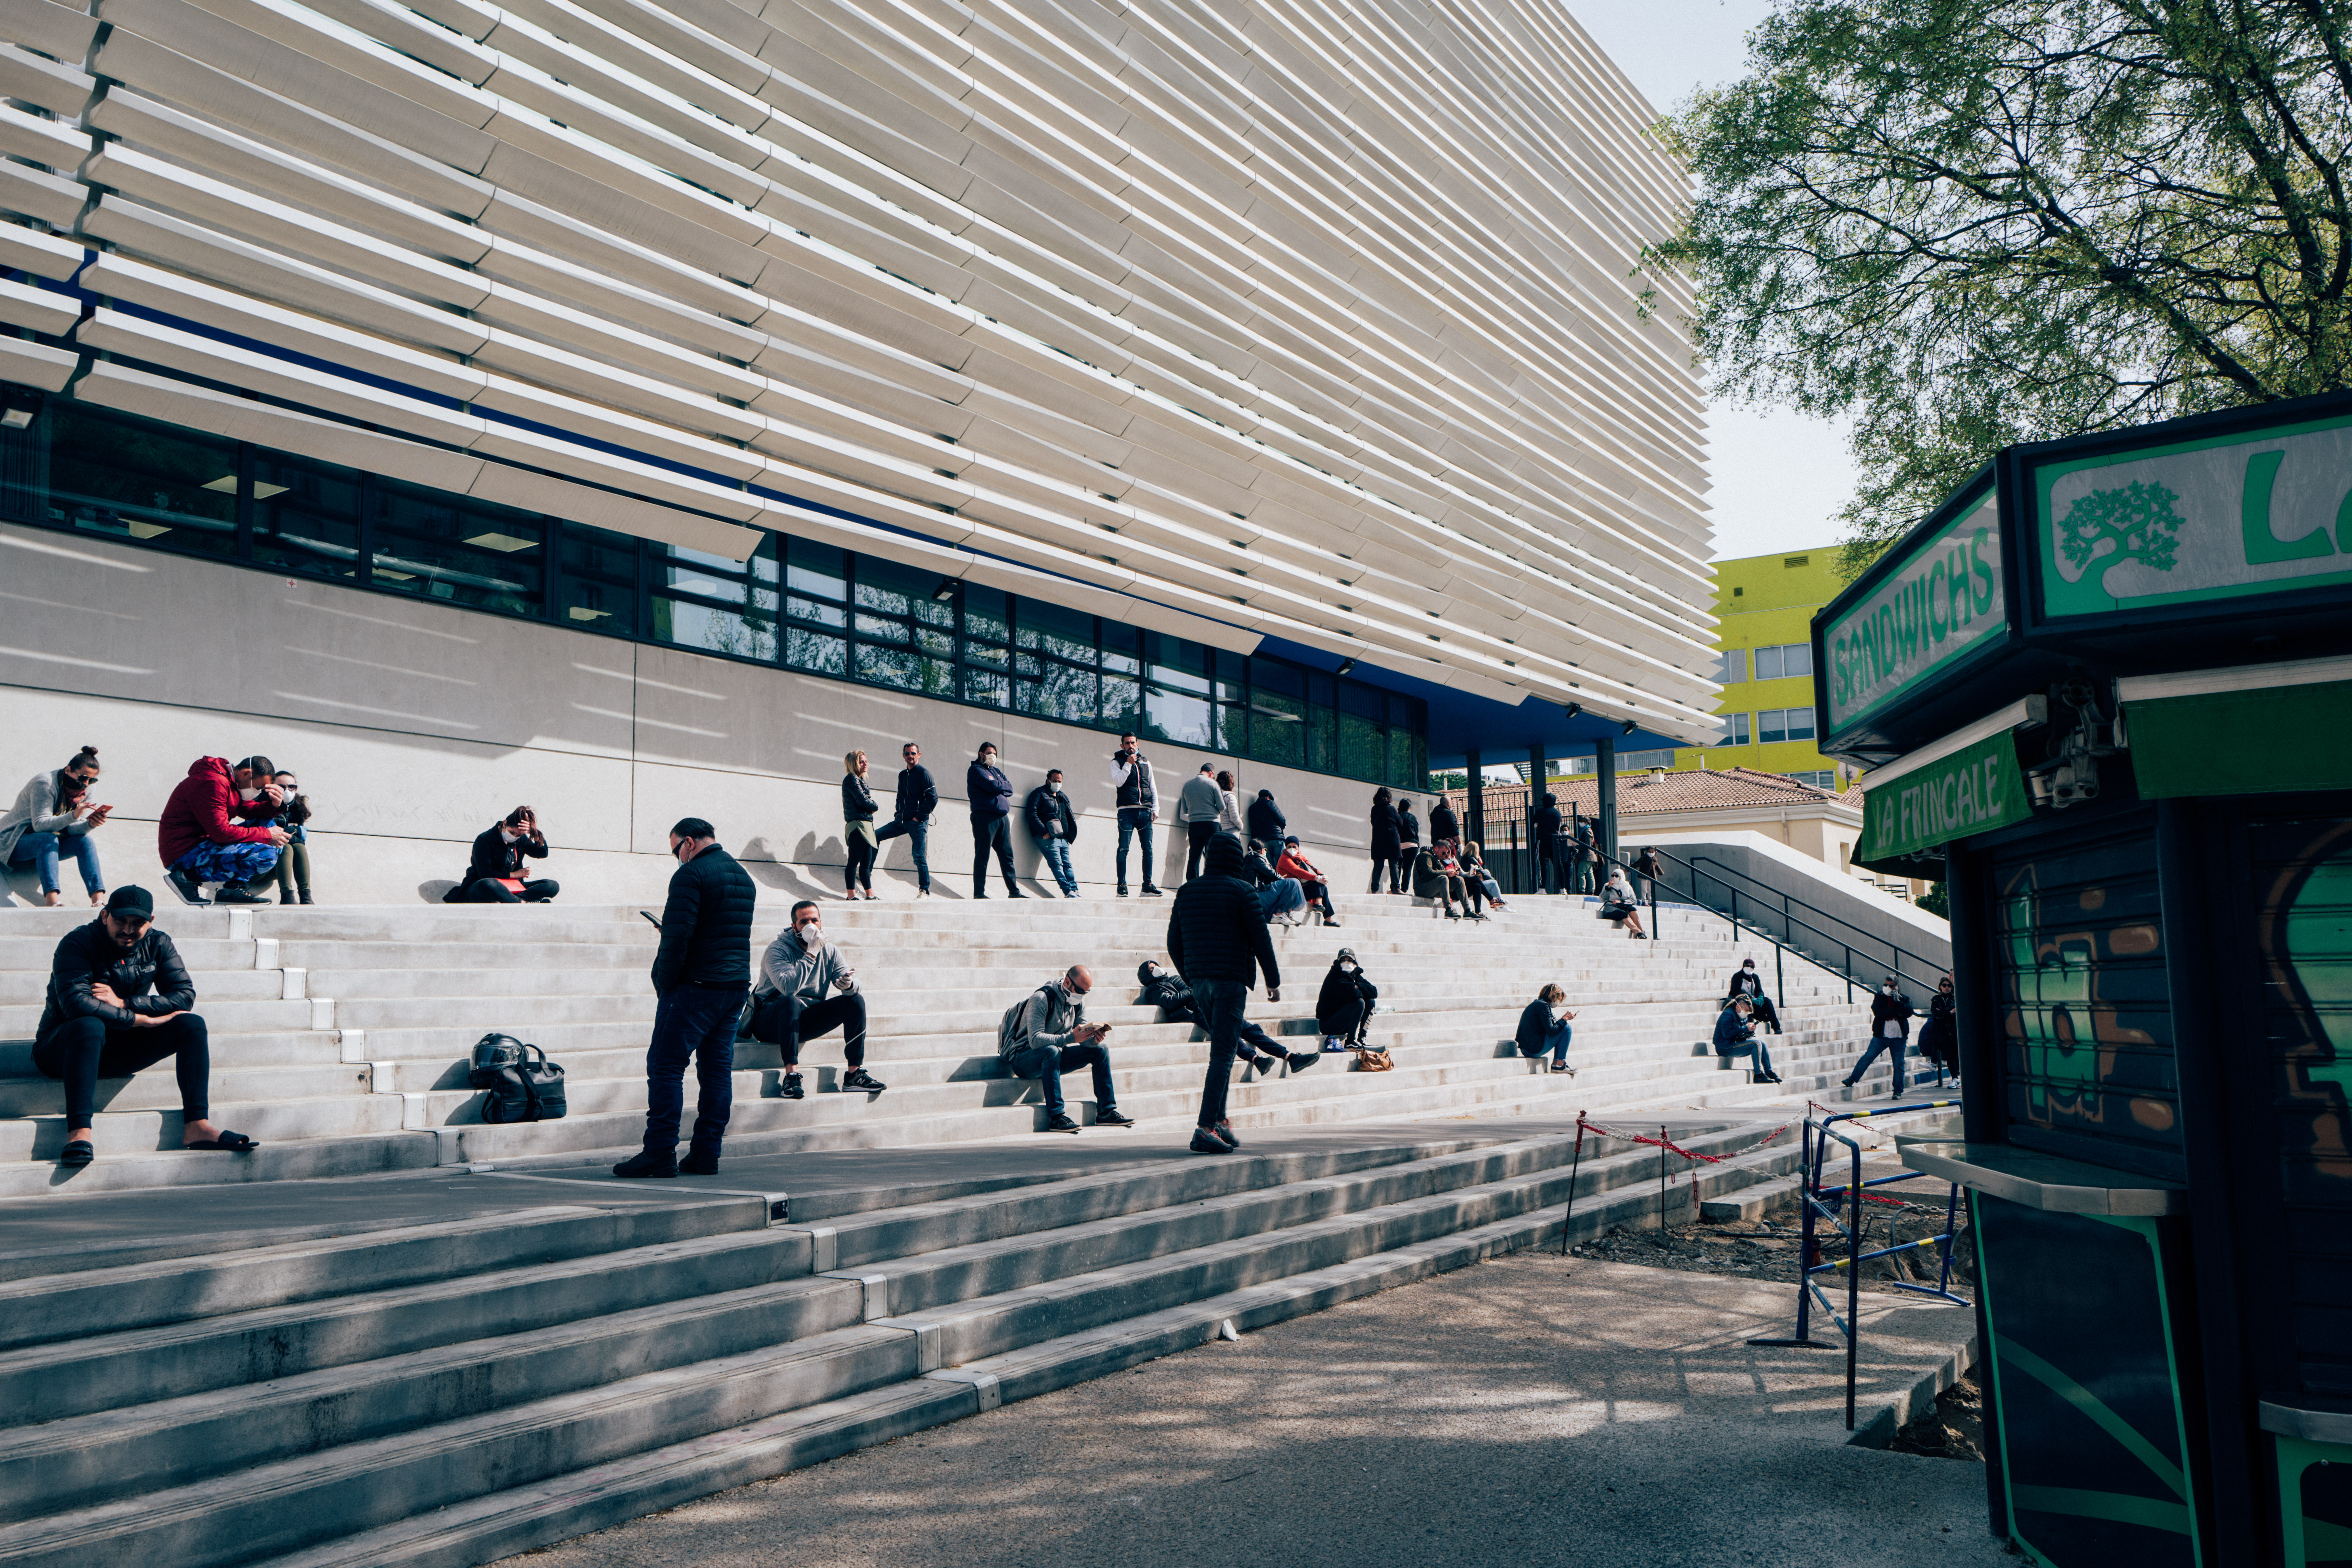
[
  {"x": 2276, "y": 740},
  {"x": 1975, "y": 790}
]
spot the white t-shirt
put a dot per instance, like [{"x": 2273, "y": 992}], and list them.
[{"x": 1893, "y": 1030}]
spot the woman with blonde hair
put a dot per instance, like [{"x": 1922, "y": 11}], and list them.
[{"x": 857, "y": 810}]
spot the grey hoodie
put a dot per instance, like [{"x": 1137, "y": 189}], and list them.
[
  {"x": 1200, "y": 800},
  {"x": 792, "y": 968}
]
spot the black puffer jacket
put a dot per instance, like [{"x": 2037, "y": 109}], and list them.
[
  {"x": 707, "y": 925},
  {"x": 1167, "y": 991},
  {"x": 87, "y": 956},
  {"x": 918, "y": 796},
  {"x": 1267, "y": 823},
  {"x": 1217, "y": 930},
  {"x": 1049, "y": 815},
  {"x": 495, "y": 858},
  {"x": 1341, "y": 989},
  {"x": 1443, "y": 822}
]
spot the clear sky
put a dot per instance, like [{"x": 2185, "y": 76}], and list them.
[{"x": 1779, "y": 478}]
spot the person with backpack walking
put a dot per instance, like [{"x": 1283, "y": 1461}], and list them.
[
  {"x": 790, "y": 1003},
  {"x": 700, "y": 974},
  {"x": 1046, "y": 1035},
  {"x": 1218, "y": 941}
]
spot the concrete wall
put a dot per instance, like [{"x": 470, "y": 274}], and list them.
[
  {"x": 1886, "y": 922},
  {"x": 414, "y": 726}
]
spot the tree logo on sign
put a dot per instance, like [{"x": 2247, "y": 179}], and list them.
[{"x": 2134, "y": 522}]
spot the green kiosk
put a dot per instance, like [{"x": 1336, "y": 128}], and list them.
[{"x": 2106, "y": 692}]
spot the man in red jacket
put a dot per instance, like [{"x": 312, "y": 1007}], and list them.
[{"x": 216, "y": 827}]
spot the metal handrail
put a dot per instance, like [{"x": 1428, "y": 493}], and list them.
[{"x": 1845, "y": 940}]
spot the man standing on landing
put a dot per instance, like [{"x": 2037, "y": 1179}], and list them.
[
  {"x": 1217, "y": 940},
  {"x": 701, "y": 973}
]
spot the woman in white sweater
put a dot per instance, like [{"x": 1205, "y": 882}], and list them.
[{"x": 53, "y": 816}]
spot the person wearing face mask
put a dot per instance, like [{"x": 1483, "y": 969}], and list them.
[
  {"x": 1746, "y": 981},
  {"x": 1346, "y": 1003},
  {"x": 54, "y": 817},
  {"x": 294, "y": 866},
  {"x": 857, "y": 836},
  {"x": 216, "y": 827},
  {"x": 1617, "y": 905},
  {"x": 496, "y": 873},
  {"x": 1310, "y": 879},
  {"x": 790, "y": 1003},
  {"x": 1890, "y": 1031},
  {"x": 1047, "y": 1035},
  {"x": 991, "y": 795},
  {"x": 1165, "y": 989},
  {"x": 700, "y": 974},
  {"x": 1940, "y": 1040},
  {"x": 1279, "y": 896},
  {"x": 1053, "y": 824},
  {"x": 1437, "y": 875},
  {"x": 1735, "y": 1036}
]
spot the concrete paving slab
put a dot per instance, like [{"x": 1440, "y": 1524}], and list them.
[{"x": 1529, "y": 1409}]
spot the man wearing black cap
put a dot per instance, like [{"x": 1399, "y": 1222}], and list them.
[
  {"x": 701, "y": 973},
  {"x": 100, "y": 1021}
]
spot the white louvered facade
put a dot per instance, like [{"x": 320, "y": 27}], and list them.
[{"x": 1236, "y": 319}]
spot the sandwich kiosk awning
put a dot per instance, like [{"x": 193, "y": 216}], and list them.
[{"x": 2105, "y": 691}]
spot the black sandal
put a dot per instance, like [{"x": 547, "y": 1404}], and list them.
[
  {"x": 78, "y": 1154},
  {"x": 229, "y": 1142}
]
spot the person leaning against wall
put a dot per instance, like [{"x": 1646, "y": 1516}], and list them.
[
  {"x": 910, "y": 814},
  {"x": 858, "y": 835},
  {"x": 53, "y": 817},
  {"x": 991, "y": 795}
]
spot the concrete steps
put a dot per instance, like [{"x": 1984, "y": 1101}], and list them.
[
  {"x": 340, "y": 1035},
  {"x": 442, "y": 1394}
]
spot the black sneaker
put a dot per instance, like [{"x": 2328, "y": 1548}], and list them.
[
  {"x": 698, "y": 1164},
  {"x": 238, "y": 893},
  {"x": 648, "y": 1164},
  {"x": 1061, "y": 1123},
  {"x": 187, "y": 887},
  {"x": 1108, "y": 1115},
  {"x": 1150, "y": 891},
  {"x": 1122, "y": 889},
  {"x": 792, "y": 1090},
  {"x": 1206, "y": 1142},
  {"x": 1224, "y": 1132},
  {"x": 1301, "y": 1060},
  {"x": 1016, "y": 893},
  {"x": 859, "y": 1079}
]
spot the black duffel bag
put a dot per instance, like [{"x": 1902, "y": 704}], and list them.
[{"x": 522, "y": 1084}]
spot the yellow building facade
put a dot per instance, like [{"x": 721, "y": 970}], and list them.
[{"x": 1764, "y": 606}]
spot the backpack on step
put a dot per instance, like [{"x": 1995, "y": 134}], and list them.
[{"x": 522, "y": 1084}]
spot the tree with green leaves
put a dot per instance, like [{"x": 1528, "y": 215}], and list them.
[{"x": 1962, "y": 224}]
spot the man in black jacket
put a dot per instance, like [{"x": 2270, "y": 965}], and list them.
[
  {"x": 1217, "y": 939},
  {"x": 701, "y": 973},
  {"x": 1054, "y": 826},
  {"x": 1890, "y": 1031},
  {"x": 1442, "y": 823},
  {"x": 911, "y": 815},
  {"x": 1546, "y": 827},
  {"x": 1345, "y": 1004},
  {"x": 100, "y": 1021},
  {"x": 1165, "y": 989},
  {"x": 991, "y": 795}
]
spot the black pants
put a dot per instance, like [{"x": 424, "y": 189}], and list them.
[
  {"x": 83, "y": 1050},
  {"x": 997, "y": 833},
  {"x": 1221, "y": 1005},
  {"x": 1318, "y": 894},
  {"x": 1346, "y": 1022},
  {"x": 486, "y": 892},
  {"x": 782, "y": 1021},
  {"x": 1196, "y": 844},
  {"x": 1390, "y": 868},
  {"x": 1254, "y": 1043},
  {"x": 859, "y": 872}
]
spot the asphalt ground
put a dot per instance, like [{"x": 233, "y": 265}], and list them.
[{"x": 1528, "y": 1410}]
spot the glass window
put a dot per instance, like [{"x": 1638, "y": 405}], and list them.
[
  {"x": 443, "y": 546},
  {"x": 708, "y": 602},
  {"x": 130, "y": 479},
  {"x": 1122, "y": 702},
  {"x": 306, "y": 519},
  {"x": 1178, "y": 717},
  {"x": 1404, "y": 759},
  {"x": 1796, "y": 659},
  {"x": 987, "y": 615},
  {"x": 1771, "y": 726},
  {"x": 1735, "y": 729},
  {"x": 1122, "y": 647},
  {"x": 1799, "y": 723},
  {"x": 599, "y": 586},
  {"x": 1731, "y": 666},
  {"x": 1051, "y": 688},
  {"x": 1277, "y": 731},
  {"x": 903, "y": 631},
  {"x": 1055, "y": 630},
  {"x": 1767, "y": 664}
]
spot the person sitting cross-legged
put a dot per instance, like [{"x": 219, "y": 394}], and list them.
[
  {"x": 119, "y": 1000},
  {"x": 494, "y": 874},
  {"x": 1046, "y": 1035},
  {"x": 1735, "y": 1036},
  {"x": 790, "y": 1003},
  {"x": 1165, "y": 989}
]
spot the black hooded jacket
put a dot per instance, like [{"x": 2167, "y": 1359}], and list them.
[
  {"x": 1167, "y": 991},
  {"x": 87, "y": 956},
  {"x": 1341, "y": 989},
  {"x": 1217, "y": 929},
  {"x": 706, "y": 939}
]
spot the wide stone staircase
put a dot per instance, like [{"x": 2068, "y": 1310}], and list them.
[
  {"x": 445, "y": 1394},
  {"x": 340, "y": 1035}
]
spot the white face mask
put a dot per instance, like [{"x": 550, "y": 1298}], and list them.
[
  {"x": 1053, "y": 785},
  {"x": 249, "y": 795},
  {"x": 1347, "y": 969},
  {"x": 1887, "y": 990}
]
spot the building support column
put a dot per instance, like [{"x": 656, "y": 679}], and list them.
[
  {"x": 1539, "y": 766},
  {"x": 1604, "y": 765},
  {"x": 1474, "y": 808}
]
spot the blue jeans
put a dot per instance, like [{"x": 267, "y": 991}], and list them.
[
  {"x": 1878, "y": 1044},
  {"x": 1281, "y": 896},
  {"x": 42, "y": 849},
  {"x": 691, "y": 1022},
  {"x": 1556, "y": 1039},
  {"x": 1047, "y": 1065},
  {"x": 1220, "y": 1003},
  {"x": 1056, "y": 852},
  {"x": 1751, "y": 1048},
  {"x": 1134, "y": 820},
  {"x": 917, "y": 833}
]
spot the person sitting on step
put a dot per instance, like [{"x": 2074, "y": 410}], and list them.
[
  {"x": 790, "y": 1003},
  {"x": 1437, "y": 875},
  {"x": 1618, "y": 906},
  {"x": 1544, "y": 1026},
  {"x": 53, "y": 816},
  {"x": 494, "y": 874},
  {"x": 1746, "y": 981},
  {"x": 1165, "y": 989},
  {"x": 1046, "y": 1035},
  {"x": 1279, "y": 896},
  {"x": 216, "y": 827},
  {"x": 1346, "y": 1003},
  {"x": 1474, "y": 867},
  {"x": 1310, "y": 879},
  {"x": 1735, "y": 1036},
  {"x": 119, "y": 1000},
  {"x": 294, "y": 865}
]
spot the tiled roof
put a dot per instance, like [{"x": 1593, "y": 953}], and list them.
[{"x": 1651, "y": 794}]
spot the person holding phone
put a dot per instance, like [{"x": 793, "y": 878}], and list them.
[
  {"x": 1544, "y": 1026},
  {"x": 54, "y": 816},
  {"x": 1137, "y": 800},
  {"x": 496, "y": 875},
  {"x": 294, "y": 865}
]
